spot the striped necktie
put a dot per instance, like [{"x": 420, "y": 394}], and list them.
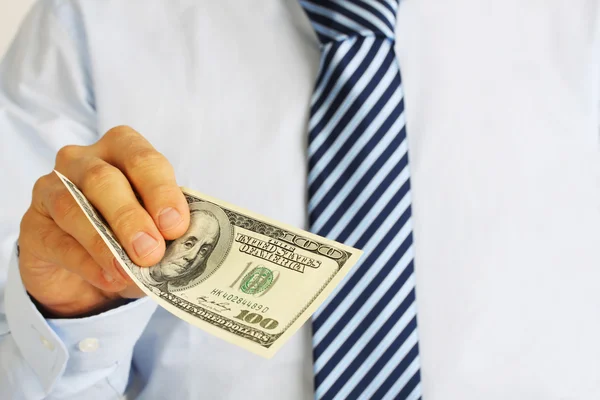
[{"x": 365, "y": 343}]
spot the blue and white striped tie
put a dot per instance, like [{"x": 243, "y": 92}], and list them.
[{"x": 365, "y": 336}]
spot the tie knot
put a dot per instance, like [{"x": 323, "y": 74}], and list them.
[{"x": 336, "y": 20}]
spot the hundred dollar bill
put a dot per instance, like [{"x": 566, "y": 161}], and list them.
[{"x": 243, "y": 277}]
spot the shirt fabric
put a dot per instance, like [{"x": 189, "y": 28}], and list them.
[{"x": 502, "y": 118}]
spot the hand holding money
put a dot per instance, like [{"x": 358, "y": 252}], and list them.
[
  {"x": 238, "y": 275},
  {"x": 65, "y": 264}
]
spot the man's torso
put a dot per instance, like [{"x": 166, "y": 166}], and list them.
[{"x": 502, "y": 118}]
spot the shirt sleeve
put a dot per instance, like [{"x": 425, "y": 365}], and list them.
[
  {"x": 47, "y": 102},
  {"x": 66, "y": 358}
]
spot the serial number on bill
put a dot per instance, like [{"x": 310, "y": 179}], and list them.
[{"x": 235, "y": 299}]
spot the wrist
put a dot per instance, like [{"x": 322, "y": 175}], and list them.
[{"x": 64, "y": 312}]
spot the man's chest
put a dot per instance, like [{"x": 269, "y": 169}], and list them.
[{"x": 484, "y": 83}]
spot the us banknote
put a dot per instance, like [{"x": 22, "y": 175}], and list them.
[{"x": 243, "y": 277}]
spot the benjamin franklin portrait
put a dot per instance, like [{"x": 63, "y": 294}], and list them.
[{"x": 192, "y": 257}]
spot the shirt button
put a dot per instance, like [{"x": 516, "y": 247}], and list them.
[
  {"x": 89, "y": 345},
  {"x": 47, "y": 344}
]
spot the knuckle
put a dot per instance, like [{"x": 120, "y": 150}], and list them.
[
  {"x": 40, "y": 186},
  {"x": 99, "y": 174},
  {"x": 67, "y": 154},
  {"x": 61, "y": 204},
  {"x": 117, "y": 132},
  {"x": 145, "y": 159},
  {"x": 126, "y": 216}
]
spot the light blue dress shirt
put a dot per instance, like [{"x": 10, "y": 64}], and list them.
[{"x": 502, "y": 102}]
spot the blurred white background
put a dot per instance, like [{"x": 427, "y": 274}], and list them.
[{"x": 11, "y": 15}]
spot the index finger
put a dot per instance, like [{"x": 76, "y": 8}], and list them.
[{"x": 152, "y": 177}]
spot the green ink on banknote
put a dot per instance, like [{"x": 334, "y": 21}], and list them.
[{"x": 257, "y": 280}]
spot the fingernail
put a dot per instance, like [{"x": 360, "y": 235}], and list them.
[
  {"x": 144, "y": 244},
  {"x": 109, "y": 278},
  {"x": 169, "y": 218},
  {"x": 120, "y": 271}
]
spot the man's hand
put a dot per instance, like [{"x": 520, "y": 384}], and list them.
[{"x": 65, "y": 265}]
